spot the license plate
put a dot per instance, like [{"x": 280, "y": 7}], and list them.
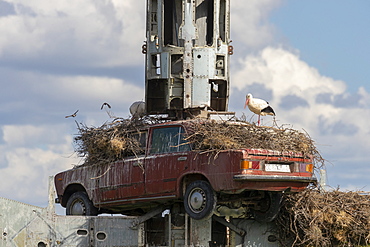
[{"x": 277, "y": 168}]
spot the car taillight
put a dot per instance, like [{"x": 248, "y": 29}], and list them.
[
  {"x": 309, "y": 168},
  {"x": 304, "y": 167},
  {"x": 247, "y": 164}
]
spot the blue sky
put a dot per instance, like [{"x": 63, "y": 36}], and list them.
[
  {"x": 333, "y": 36},
  {"x": 309, "y": 59}
]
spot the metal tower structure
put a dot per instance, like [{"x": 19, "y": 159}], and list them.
[{"x": 187, "y": 57}]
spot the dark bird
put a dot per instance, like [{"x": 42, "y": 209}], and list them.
[
  {"x": 105, "y": 103},
  {"x": 258, "y": 106},
  {"x": 73, "y": 115}
]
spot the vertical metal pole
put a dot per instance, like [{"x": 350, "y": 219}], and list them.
[
  {"x": 201, "y": 231},
  {"x": 169, "y": 231},
  {"x": 186, "y": 229},
  {"x": 323, "y": 179},
  {"x": 188, "y": 34},
  {"x": 51, "y": 203}
]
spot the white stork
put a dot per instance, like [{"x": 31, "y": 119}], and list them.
[
  {"x": 137, "y": 109},
  {"x": 258, "y": 106}
]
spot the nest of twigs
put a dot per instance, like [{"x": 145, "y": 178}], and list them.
[
  {"x": 113, "y": 141},
  {"x": 216, "y": 135},
  {"x": 325, "y": 219}
]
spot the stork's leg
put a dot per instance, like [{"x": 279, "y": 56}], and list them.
[{"x": 259, "y": 116}]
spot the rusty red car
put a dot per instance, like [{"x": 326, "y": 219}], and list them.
[{"x": 239, "y": 182}]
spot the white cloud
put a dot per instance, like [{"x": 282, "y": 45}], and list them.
[
  {"x": 364, "y": 97},
  {"x": 29, "y": 154},
  {"x": 92, "y": 89},
  {"x": 285, "y": 74},
  {"x": 22, "y": 135},
  {"x": 25, "y": 177},
  {"x": 53, "y": 92},
  {"x": 250, "y": 25},
  {"x": 85, "y": 32}
]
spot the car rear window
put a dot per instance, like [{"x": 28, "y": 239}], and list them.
[{"x": 168, "y": 140}]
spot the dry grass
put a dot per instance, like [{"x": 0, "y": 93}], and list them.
[
  {"x": 335, "y": 218},
  {"x": 240, "y": 134},
  {"x": 113, "y": 141}
]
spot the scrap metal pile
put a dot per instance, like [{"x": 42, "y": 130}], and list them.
[
  {"x": 115, "y": 140},
  {"x": 324, "y": 219}
]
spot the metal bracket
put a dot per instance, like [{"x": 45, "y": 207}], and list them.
[
  {"x": 236, "y": 229},
  {"x": 147, "y": 216}
]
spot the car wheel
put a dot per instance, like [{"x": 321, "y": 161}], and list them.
[
  {"x": 199, "y": 200},
  {"x": 80, "y": 204},
  {"x": 270, "y": 207}
]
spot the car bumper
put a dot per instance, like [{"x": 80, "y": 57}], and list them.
[{"x": 274, "y": 178}]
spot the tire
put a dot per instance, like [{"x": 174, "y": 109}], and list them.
[
  {"x": 199, "y": 200},
  {"x": 272, "y": 204},
  {"x": 80, "y": 204}
]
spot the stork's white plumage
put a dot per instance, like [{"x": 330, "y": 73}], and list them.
[
  {"x": 137, "y": 109},
  {"x": 258, "y": 106}
]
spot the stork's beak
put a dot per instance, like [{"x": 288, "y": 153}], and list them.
[{"x": 246, "y": 103}]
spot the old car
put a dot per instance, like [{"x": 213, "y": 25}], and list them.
[{"x": 246, "y": 181}]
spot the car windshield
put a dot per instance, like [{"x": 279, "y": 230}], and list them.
[{"x": 168, "y": 140}]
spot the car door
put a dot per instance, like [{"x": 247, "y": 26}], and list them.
[
  {"x": 124, "y": 179},
  {"x": 166, "y": 160}
]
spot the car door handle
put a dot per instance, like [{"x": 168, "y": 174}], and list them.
[{"x": 182, "y": 158}]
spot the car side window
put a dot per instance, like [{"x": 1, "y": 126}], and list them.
[
  {"x": 168, "y": 140},
  {"x": 140, "y": 137},
  {"x": 136, "y": 144}
]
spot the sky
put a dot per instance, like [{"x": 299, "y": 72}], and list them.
[{"x": 309, "y": 59}]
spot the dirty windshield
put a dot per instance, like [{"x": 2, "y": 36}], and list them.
[{"x": 168, "y": 140}]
